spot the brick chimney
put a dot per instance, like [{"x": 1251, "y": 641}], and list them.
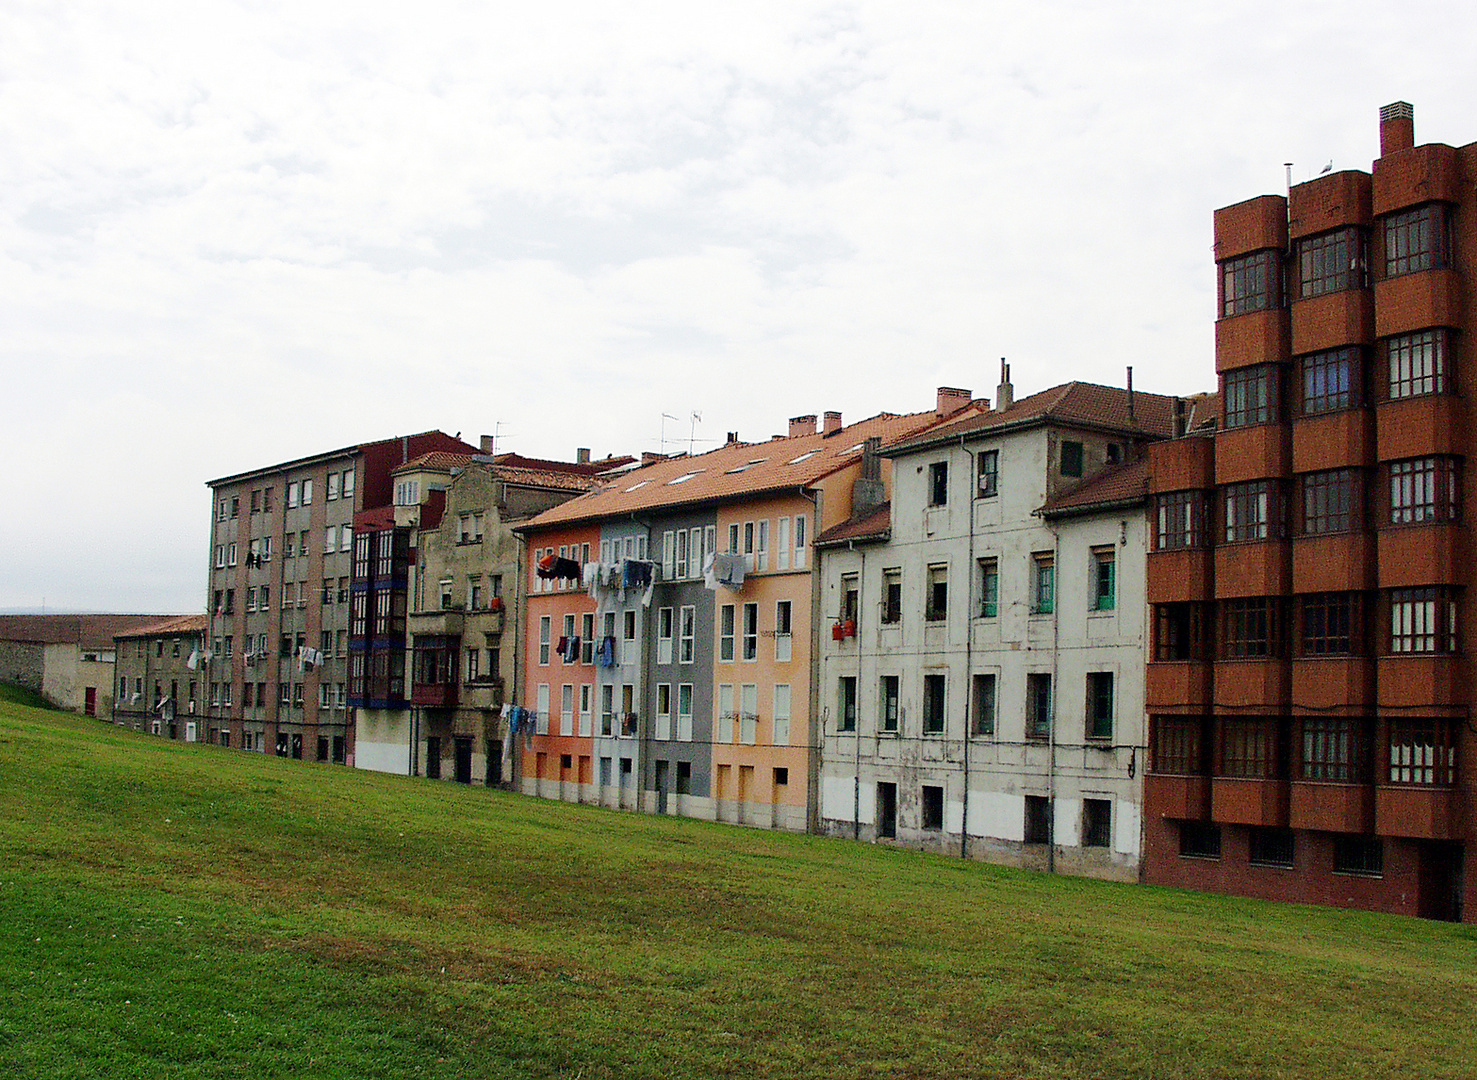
[
  {"x": 832, "y": 423},
  {"x": 489, "y": 444},
  {"x": 1005, "y": 392},
  {"x": 582, "y": 455},
  {"x": 732, "y": 438},
  {"x": 1397, "y": 127},
  {"x": 951, "y": 399},
  {"x": 802, "y": 425}
]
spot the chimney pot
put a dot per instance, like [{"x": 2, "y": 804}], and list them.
[
  {"x": 832, "y": 422},
  {"x": 802, "y": 425},
  {"x": 951, "y": 399},
  {"x": 1005, "y": 392},
  {"x": 1397, "y": 127}
]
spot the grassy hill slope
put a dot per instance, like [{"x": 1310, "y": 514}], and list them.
[{"x": 184, "y": 911}]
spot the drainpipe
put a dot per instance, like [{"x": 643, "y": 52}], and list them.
[
  {"x": 520, "y": 594},
  {"x": 813, "y": 755},
  {"x": 969, "y": 568},
  {"x": 1056, "y": 625},
  {"x": 642, "y": 699},
  {"x": 856, "y": 785}
]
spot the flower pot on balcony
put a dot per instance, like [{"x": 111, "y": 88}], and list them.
[{"x": 838, "y": 632}]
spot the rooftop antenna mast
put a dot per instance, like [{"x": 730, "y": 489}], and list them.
[
  {"x": 692, "y": 430},
  {"x": 665, "y": 418},
  {"x": 1288, "y": 166}
]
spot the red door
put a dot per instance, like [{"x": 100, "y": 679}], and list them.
[{"x": 89, "y": 705}]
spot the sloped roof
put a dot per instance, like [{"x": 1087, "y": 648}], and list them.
[
  {"x": 874, "y": 525},
  {"x": 1073, "y": 403},
  {"x": 180, "y": 624},
  {"x": 87, "y": 631},
  {"x": 1119, "y": 485},
  {"x": 545, "y": 478},
  {"x": 737, "y": 469},
  {"x": 581, "y": 468},
  {"x": 436, "y": 460}
]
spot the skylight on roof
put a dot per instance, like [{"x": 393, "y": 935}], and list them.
[
  {"x": 802, "y": 457},
  {"x": 685, "y": 477},
  {"x": 749, "y": 465},
  {"x": 852, "y": 449},
  {"x": 638, "y": 484}
]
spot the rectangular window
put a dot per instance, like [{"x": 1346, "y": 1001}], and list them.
[
  {"x": 1423, "y": 620},
  {"x": 1180, "y": 521},
  {"x": 348, "y": 484},
  {"x": 1104, "y": 578},
  {"x": 1251, "y": 283},
  {"x": 782, "y": 543},
  {"x": 935, "y": 699},
  {"x": 988, "y": 471},
  {"x": 892, "y": 595},
  {"x": 1100, "y": 705},
  {"x": 1251, "y": 396},
  {"x": 1271, "y": 847},
  {"x": 749, "y": 546},
  {"x": 680, "y": 567},
  {"x": 292, "y": 490},
  {"x": 1038, "y": 819},
  {"x": 587, "y": 696},
  {"x": 984, "y": 704},
  {"x": 846, "y": 703},
  {"x": 1178, "y": 746},
  {"x": 669, "y": 555},
  {"x": 1416, "y": 240},
  {"x": 781, "y": 714},
  {"x": 1071, "y": 458},
  {"x": 1199, "y": 841},
  {"x": 751, "y": 631},
  {"x": 687, "y": 642},
  {"x": 1330, "y": 262},
  {"x": 307, "y": 492},
  {"x": 783, "y": 641},
  {"x": 938, "y": 483},
  {"x": 936, "y": 608},
  {"x": 628, "y": 627},
  {"x": 725, "y": 632},
  {"x": 541, "y": 709},
  {"x": 931, "y": 803},
  {"x": 989, "y": 570},
  {"x": 545, "y": 637},
  {"x": 1333, "y": 750},
  {"x": 733, "y": 539},
  {"x": 1248, "y": 747},
  {"x": 663, "y": 710},
  {"x": 1425, "y": 490},
  {"x": 1251, "y": 628},
  {"x": 607, "y": 710},
  {"x": 330, "y": 540},
  {"x": 684, "y": 712},
  {"x": 749, "y": 714},
  {"x": 1329, "y": 501},
  {"x": 1363, "y": 855},
  {"x": 1332, "y": 624},
  {"x": 725, "y": 713},
  {"x": 850, "y": 598},
  {"x": 332, "y": 492},
  {"x": 1252, "y": 511},
  {"x": 1097, "y": 823},
  {"x": 664, "y": 635},
  {"x": 1331, "y": 381},
  {"x": 566, "y": 709},
  {"x": 800, "y": 520},
  {"x": 761, "y": 546},
  {"x": 1418, "y": 364},
  {"x": 1043, "y": 583},
  {"x": 587, "y": 638},
  {"x": 889, "y": 703},
  {"x": 1038, "y": 706}
]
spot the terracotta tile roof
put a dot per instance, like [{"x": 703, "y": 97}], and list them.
[
  {"x": 1119, "y": 485},
  {"x": 437, "y": 460},
  {"x": 180, "y": 624},
  {"x": 546, "y": 478},
  {"x": 587, "y": 468},
  {"x": 88, "y": 631},
  {"x": 732, "y": 471},
  {"x": 874, "y": 525},
  {"x": 1073, "y": 403}
]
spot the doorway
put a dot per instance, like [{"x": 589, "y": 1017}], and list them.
[
  {"x": 887, "y": 811},
  {"x": 433, "y": 757},
  {"x": 494, "y": 762},
  {"x": 661, "y": 787},
  {"x": 1441, "y": 882},
  {"x": 463, "y": 762}
]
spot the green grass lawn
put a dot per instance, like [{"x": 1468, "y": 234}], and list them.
[{"x": 181, "y": 911}]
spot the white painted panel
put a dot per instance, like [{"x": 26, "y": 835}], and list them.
[
  {"x": 998, "y": 815},
  {"x": 1127, "y": 828},
  {"x": 1067, "y": 826},
  {"x": 953, "y": 816},
  {"x": 382, "y": 756},
  {"x": 839, "y": 799}
]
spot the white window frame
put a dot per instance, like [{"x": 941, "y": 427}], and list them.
[
  {"x": 541, "y": 721},
  {"x": 725, "y": 713},
  {"x": 664, "y": 628},
  {"x": 663, "y": 711},
  {"x": 749, "y": 714},
  {"x": 566, "y": 709},
  {"x": 684, "y": 712},
  {"x": 782, "y": 706},
  {"x": 687, "y": 629}
]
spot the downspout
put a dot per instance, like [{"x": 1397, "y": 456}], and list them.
[
  {"x": 643, "y": 702},
  {"x": 856, "y": 785},
  {"x": 969, "y": 610},
  {"x": 520, "y": 594},
  {"x": 813, "y": 762},
  {"x": 1056, "y": 624}
]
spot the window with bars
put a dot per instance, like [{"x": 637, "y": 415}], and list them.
[
  {"x": 1271, "y": 847},
  {"x": 1363, "y": 855},
  {"x": 1251, "y": 396},
  {"x": 1252, "y": 511},
  {"x": 1248, "y": 748},
  {"x": 1417, "y": 239},
  {"x": 1425, "y": 490},
  {"x": 1331, "y": 381},
  {"x": 1334, "y": 749},
  {"x": 1251, "y": 628},
  {"x": 1251, "y": 283},
  {"x": 1423, "y": 620},
  {"x": 1331, "y": 262},
  {"x": 1418, "y": 364},
  {"x": 1181, "y": 631},
  {"x": 1199, "y": 840},
  {"x": 1180, "y": 520},
  {"x": 1422, "y": 752},
  {"x": 1178, "y": 745},
  {"x": 1329, "y": 501},
  {"x": 1332, "y": 624}
]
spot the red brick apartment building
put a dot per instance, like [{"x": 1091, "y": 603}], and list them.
[{"x": 1309, "y": 687}]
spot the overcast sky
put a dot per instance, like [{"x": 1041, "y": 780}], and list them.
[{"x": 234, "y": 234}]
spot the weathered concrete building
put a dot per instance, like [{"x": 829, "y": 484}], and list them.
[
  {"x": 159, "y": 669},
  {"x": 67, "y": 659}
]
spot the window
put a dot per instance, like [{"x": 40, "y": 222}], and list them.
[
  {"x": 474, "y": 656},
  {"x": 664, "y": 635},
  {"x": 1423, "y": 620},
  {"x": 1252, "y": 512},
  {"x": 933, "y": 807},
  {"x": 1199, "y": 841},
  {"x": 725, "y": 713},
  {"x": 230, "y": 554},
  {"x": 1330, "y": 262},
  {"x": 781, "y": 714},
  {"x": 680, "y": 566},
  {"x": 761, "y": 550},
  {"x": 1180, "y": 632},
  {"x": 935, "y": 690},
  {"x": 846, "y": 704},
  {"x": 850, "y": 597},
  {"x": 330, "y": 539},
  {"x": 984, "y": 704},
  {"x": 1180, "y": 520},
  {"x": 937, "y": 606},
  {"x": 782, "y": 542},
  {"x": 1333, "y": 750},
  {"x": 1038, "y": 706},
  {"x": 1331, "y": 381},
  {"x": 684, "y": 712},
  {"x": 1251, "y": 628},
  {"x": 749, "y": 714},
  {"x": 1251, "y": 396},
  {"x": 628, "y": 627},
  {"x": 1100, "y": 705},
  {"x": 1251, "y": 283},
  {"x": 1104, "y": 578},
  {"x": 688, "y": 628},
  {"x": 1043, "y": 583},
  {"x": 408, "y": 493},
  {"x": 1271, "y": 847},
  {"x": 800, "y": 520},
  {"x": 292, "y": 489},
  {"x": 587, "y": 638},
  {"x": 545, "y": 637},
  {"x": 751, "y": 631},
  {"x": 1424, "y": 490},
  {"x": 1329, "y": 501},
  {"x": 1178, "y": 746},
  {"x": 1417, "y": 364},
  {"x": 307, "y": 492},
  {"x": 1332, "y": 624},
  {"x": 888, "y": 692},
  {"x": 988, "y": 466},
  {"x": 1097, "y": 822},
  {"x": 607, "y": 710},
  {"x": 783, "y": 640},
  {"x": 332, "y": 490},
  {"x": 1038, "y": 819},
  {"x": 1071, "y": 458},
  {"x": 938, "y": 483},
  {"x": 1248, "y": 747},
  {"x": 725, "y": 632},
  {"x": 1417, "y": 239},
  {"x": 1363, "y": 855},
  {"x": 892, "y": 595},
  {"x": 347, "y": 487}
]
